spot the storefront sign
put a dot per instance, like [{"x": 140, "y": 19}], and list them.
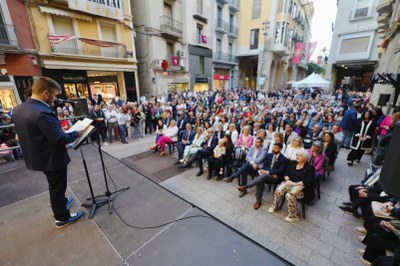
[
  {"x": 204, "y": 39},
  {"x": 75, "y": 79},
  {"x": 221, "y": 77},
  {"x": 175, "y": 60},
  {"x": 201, "y": 80},
  {"x": 104, "y": 8}
]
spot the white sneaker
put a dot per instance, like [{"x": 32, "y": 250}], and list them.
[
  {"x": 365, "y": 262},
  {"x": 361, "y": 230},
  {"x": 361, "y": 251},
  {"x": 291, "y": 219},
  {"x": 271, "y": 210}
]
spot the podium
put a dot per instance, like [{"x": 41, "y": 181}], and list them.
[{"x": 108, "y": 197}]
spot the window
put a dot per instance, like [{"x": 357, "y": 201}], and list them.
[
  {"x": 167, "y": 10},
  {"x": 170, "y": 50},
  {"x": 63, "y": 25},
  {"x": 254, "y": 39},
  {"x": 199, "y": 32},
  {"x": 361, "y": 8},
  {"x": 219, "y": 45},
  {"x": 354, "y": 45},
  {"x": 232, "y": 20},
  {"x": 256, "y": 9},
  {"x": 108, "y": 33},
  {"x": 219, "y": 12},
  {"x": 202, "y": 65}
]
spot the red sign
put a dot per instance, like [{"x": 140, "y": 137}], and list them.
[
  {"x": 204, "y": 39},
  {"x": 221, "y": 77},
  {"x": 164, "y": 65},
  {"x": 175, "y": 60}
]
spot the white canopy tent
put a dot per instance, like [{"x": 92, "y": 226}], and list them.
[{"x": 314, "y": 80}]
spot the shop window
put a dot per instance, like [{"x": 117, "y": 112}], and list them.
[
  {"x": 7, "y": 99},
  {"x": 254, "y": 39}
]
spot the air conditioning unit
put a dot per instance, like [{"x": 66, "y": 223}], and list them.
[{"x": 181, "y": 54}]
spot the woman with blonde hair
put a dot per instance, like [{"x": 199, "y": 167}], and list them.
[
  {"x": 245, "y": 139},
  {"x": 278, "y": 137},
  {"x": 196, "y": 145},
  {"x": 170, "y": 136},
  {"x": 293, "y": 148}
]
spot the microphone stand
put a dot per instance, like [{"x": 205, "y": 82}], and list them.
[{"x": 108, "y": 195}]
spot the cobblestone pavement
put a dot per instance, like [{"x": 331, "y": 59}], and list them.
[{"x": 326, "y": 237}]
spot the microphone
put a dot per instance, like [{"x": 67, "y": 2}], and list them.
[{"x": 61, "y": 101}]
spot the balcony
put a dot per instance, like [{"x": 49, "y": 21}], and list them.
[
  {"x": 280, "y": 49},
  {"x": 225, "y": 58},
  {"x": 384, "y": 6},
  {"x": 170, "y": 27},
  {"x": 8, "y": 36},
  {"x": 201, "y": 12},
  {"x": 233, "y": 31},
  {"x": 222, "y": 2},
  {"x": 221, "y": 26},
  {"x": 384, "y": 18},
  {"x": 89, "y": 47},
  {"x": 234, "y": 5}
]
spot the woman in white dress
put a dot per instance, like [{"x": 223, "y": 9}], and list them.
[{"x": 196, "y": 145}]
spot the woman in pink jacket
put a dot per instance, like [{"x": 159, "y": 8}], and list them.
[
  {"x": 245, "y": 139},
  {"x": 317, "y": 158}
]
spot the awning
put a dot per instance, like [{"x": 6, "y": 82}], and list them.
[{"x": 64, "y": 13}]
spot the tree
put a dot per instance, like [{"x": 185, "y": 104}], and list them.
[{"x": 314, "y": 68}]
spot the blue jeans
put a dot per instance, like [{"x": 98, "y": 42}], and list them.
[
  {"x": 347, "y": 135},
  {"x": 123, "y": 133}
]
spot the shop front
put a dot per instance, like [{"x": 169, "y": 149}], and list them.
[
  {"x": 221, "y": 80},
  {"x": 201, "y": 84},
  {"x": 74, "y": 83},
  {"x": 8, "y": 94}
]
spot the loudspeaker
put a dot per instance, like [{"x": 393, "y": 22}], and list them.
[
  {"x": 80, "y": 107},
  {"x": 390, "y": 174}
]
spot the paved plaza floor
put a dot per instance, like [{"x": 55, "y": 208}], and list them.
[{"x": 28, "y": 235}]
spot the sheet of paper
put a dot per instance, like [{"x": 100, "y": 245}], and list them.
[{"x": 80, "y": 125}]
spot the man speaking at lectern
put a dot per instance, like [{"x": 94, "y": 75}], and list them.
[{"x": 43, "y": 145}]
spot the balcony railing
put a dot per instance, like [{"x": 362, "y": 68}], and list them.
[
  {"x": 171, "y": 25},
  {"x": 233, "y": 31},
  {"x": 222, "y": 26},
  {"x": 201, "y": 11},
  {"x": 234, "y": 5},
  {"x": 8, "y": 35},
  {"x": 77, "y": 47},
  {"x": 225, "y": 57}
]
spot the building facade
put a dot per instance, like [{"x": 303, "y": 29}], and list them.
[
  {"x": 18, "y": 57},
  {"x": 271, "y": 35},
  {"x": 161, "y": 52},
  {"x": 354, "y": 50},
  {"x": 224, "y": 35},
  {"x": 196, "y": 37},
  {"x": 87, "y": 46},
  {"x": 387, "y": 74}
]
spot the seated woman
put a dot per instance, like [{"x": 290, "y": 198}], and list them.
[
  {"x": 160, "y": 129},
  {"x": 196, "y": 145},
  {"x": 217, "y": 163},
  {"x": 170, "y": 136},
  {"x": 330, "y": 149},
  {"x": 317, "y": 158},
  {"x": 278, "y": 138},
  {"x": 293, "y": 148},
  {"x": 218, "y": 153},
  {"x": 245, "y": 139},
  {"x": 299, "y": 183}
]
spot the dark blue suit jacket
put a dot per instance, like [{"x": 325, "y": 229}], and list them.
[
  {"x": 214, "y": 143},
  {"x": 279, "y": 166},
  {"x": 41, "y": 137},
  {"x": 191, "y": 136}
]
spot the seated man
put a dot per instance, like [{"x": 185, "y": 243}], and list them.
[
  {"x": 272, "y": 172},
  {"x": 187, "y": 139},
  {"x": 254, "y": 162},
  {"x": 210, "y": 142}
]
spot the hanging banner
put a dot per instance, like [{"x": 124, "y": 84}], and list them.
[
  {"x": 298, "y": 53},
  {"x": 104, "y": 8},
  {"x": 57, "y": 38},
  {"x": 311, "y": 49}
]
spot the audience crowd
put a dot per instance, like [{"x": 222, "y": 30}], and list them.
[{"x": 285, "y": 140}]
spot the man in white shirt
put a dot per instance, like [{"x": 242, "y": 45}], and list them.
[{"x": 112, "y": 123}]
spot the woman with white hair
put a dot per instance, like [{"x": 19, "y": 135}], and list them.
[
  {"x": 299, "y": 183},
  {"x": 233, "y": 132},
  {"x": 245, "y": 139}
]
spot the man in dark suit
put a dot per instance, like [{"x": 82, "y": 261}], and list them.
[
  {"x": 255, "y": 161},
  {"x": 272, "y": 172},
  {"x": 187, "y": 139},
  {"x": 210, "y": 142},
  {"x": 43, "y": 145}
]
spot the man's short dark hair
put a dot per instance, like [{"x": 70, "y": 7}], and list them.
[
  {"x": 45, "y": 84},
  {"x": 279, "y": 144},
  {"x": 260, "y": 139}
]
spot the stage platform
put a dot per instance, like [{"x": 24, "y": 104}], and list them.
[{"x": 29, "y": 237}]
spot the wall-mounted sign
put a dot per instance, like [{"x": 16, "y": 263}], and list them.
[
  {"x": 221, "y": 77},
  {"x": 175, "y": 61},
  {"x": 204, "y": 39},
  {"x": 104, "y": 8},
  {"x": 201, "y": 80}
]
